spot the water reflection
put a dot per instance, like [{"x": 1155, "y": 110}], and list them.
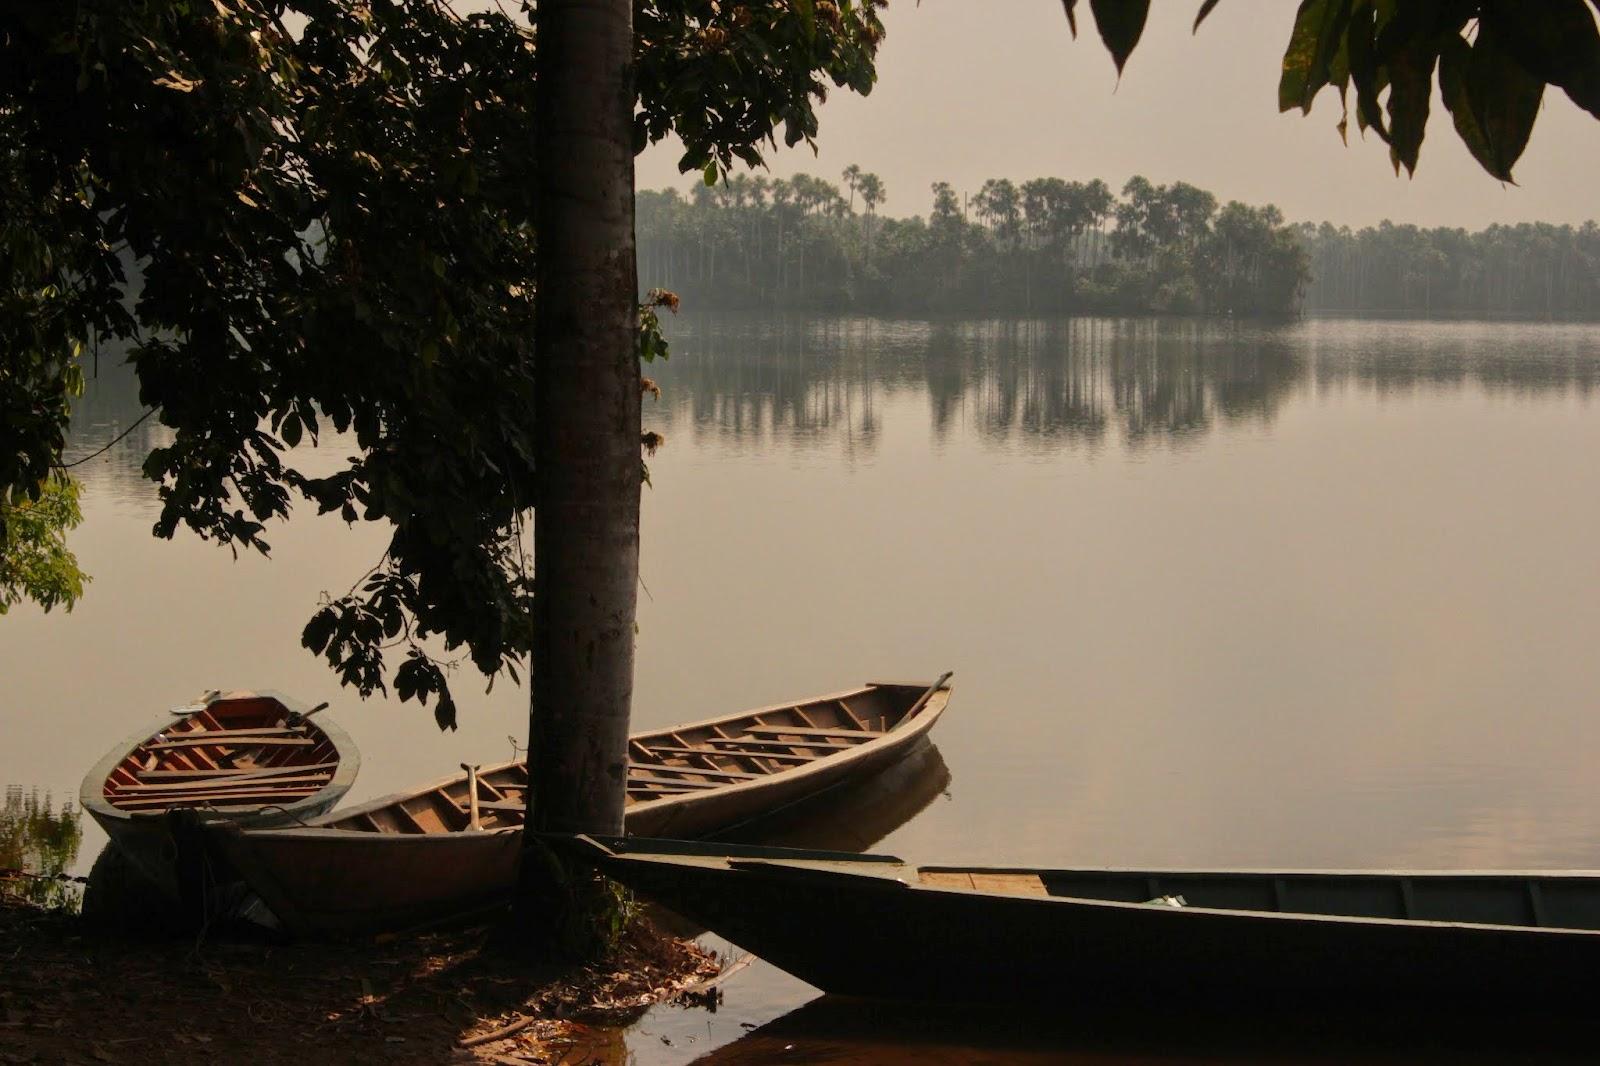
[
  {"x": 807, "y": 382},
  {"x": 38, "y": 845},
  {"x": 755, "y": 381},
  {"x": 841, "y": 1031},
  {"x": 854, "y": 817}
]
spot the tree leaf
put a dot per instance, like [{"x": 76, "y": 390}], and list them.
[
  {"x": 1120, "y": 22},
  {"x": 1453, "y": 61},
  {"x": 1410, "y": 90},
  {"x": 1205, "y": 9},
  {"x": 1560, "y": 45},
  {"x": 1366, "y": 73},
  {"x": 1317, "y": 37},
  {"x": 1072, "y": 15},
  {"x": 1504, "y": 98}
]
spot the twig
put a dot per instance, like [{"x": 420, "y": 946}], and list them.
[
  {"x": 497, "y": 1034},
  {"x": 699, "y": 989},
  {"x": 113, "y": 443}
]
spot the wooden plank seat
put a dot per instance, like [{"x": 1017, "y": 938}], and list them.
[
  {"x": 237, "y": 772},
  {"x": 213, "y": 798},
  {"x": 171, "y": 788},
  {"x": 749, "y": 753},
  {"x": 811, "y": 731},
  {"x": 1020, "y": 884},
  {"x": 822, "y": 744},
  {"x": 701, "y": 771},
  {"x": 681, "y": 782},
  {"x": 503, "y": 806},
  {"x": 259, "y": 731}
]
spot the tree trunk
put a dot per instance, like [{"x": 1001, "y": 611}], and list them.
[{"x": 586, "y": 521}]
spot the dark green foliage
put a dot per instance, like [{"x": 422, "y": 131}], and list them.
[
  {"x": 331, "y": 228},
  {"x": 1046, "y": 245},
  {"x": 725, "y": 77},
  {"x": 1493, "y": 59},
  {"x": 296, "y": 234}
]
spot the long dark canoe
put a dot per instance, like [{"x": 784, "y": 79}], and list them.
[
  {"x": 454, "y": 844},
  {"x": 875, "y": 926},
  {"x": 250, "y": 758}
]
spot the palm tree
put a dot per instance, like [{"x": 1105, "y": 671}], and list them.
[{"x": 852, "y": 181}]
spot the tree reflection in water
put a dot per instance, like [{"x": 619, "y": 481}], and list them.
[
  {"x": 38, "y": 844},
  {"x": 1036, "y": 384}
]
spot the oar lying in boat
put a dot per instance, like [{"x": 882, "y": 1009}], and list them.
[{"x": 411, "y": 857}]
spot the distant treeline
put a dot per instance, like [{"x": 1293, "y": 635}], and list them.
[
  {"x": 1050, "y": 245},
  {"x": 1528, "y": 269},
  {"x": 1045, "y": 245}
]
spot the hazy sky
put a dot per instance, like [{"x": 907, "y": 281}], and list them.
[{"x": 972, "y": 89}]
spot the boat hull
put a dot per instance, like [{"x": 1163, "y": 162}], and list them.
[
  {"x": 150, "y": 846},
  {"x": 326, "y": 882},
  {"x": 877, "y": 935},
  {"x": 333, "y": 882}
]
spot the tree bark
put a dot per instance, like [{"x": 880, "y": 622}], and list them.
[{"x": 586, "y": 521}]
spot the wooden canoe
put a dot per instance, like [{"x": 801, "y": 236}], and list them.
[
  {"x": 251, "y": 758},
  {"x": 413, "y": 856},
  {"x": 875, "y": 926}
]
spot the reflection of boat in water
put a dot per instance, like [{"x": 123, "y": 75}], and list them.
[
  {"x": 250, "y": 758},
  {"x": 853, "y": 816},
  {"x": 875, "y": 926},
  {"x": 455, "y": 844}
]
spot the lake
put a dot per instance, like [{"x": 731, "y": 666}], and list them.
[{"x": 1318, "y": 594}]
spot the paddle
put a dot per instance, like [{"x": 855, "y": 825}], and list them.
[
  {"x": 296, "y": 718},
  {"x": 472, "y": 795},
  {"x": 928, "y": 695}
]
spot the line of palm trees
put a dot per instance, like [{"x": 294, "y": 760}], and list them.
[{"x": 1046, "y": 244}]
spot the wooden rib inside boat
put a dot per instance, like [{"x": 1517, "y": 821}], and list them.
[{"x": 239, "y": 750}]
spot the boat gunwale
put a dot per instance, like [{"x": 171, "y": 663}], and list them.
[
  {"x": 776, "y": 867},
  {"x": 91, "y": 793},
  {"x": 925, "y": 719}
]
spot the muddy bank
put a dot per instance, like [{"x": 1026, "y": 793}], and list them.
[{"x": 72, "y": 993}]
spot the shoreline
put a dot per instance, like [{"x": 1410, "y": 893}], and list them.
[{"x": 74, "y": 992}]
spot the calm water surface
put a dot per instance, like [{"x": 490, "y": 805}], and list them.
[{"x": 1318, "y": 594}]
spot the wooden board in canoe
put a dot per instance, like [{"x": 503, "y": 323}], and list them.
[
  {"x": 415, "y": 855},
  {"x": 875, "y": 926},
  {"x": 252, "y": 758}
]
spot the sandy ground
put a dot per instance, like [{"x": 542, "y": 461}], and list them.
[{"x": 70, "y": 993}]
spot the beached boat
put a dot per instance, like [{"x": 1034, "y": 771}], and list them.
[
  {"x": 875, "y": 926},
  {"x": 252, "y": 758},
  {"x": 454, "y": 844}
]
